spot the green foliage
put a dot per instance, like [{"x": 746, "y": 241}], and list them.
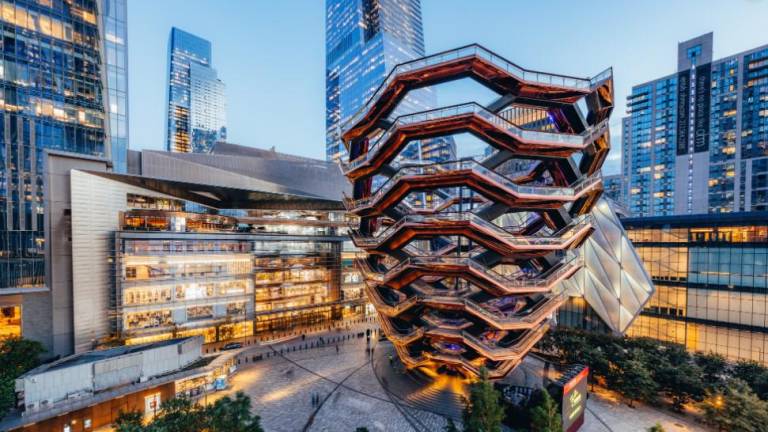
[
  {"x": 232, "y": 415},
  {"x": 681, "y": 382},
  {"x": 179, "y": 415},
  {"x": 656, "y": 428},
  {"x": 613, "y": 360},
  {"x": 754, "y": 374},
  {"x": 631, "y": 377},
  {"x": 17, "y": 356},
  {"x": 450, "y": 426},
  {"x": 183, "y": 415},
  {"x": 484, "y": 412},
  {"x": 545, "y": 417},
  {"x": 129, "y": 422},
  {"x": 714, "y": 368},
  {"x": 735, "y": 408}
]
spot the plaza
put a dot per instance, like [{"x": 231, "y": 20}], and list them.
[{"x": 282, "y": 387}]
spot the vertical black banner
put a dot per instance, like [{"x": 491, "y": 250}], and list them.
[
  {"x": 683, "y": 100},
  {"x": 701, "y": 108}
]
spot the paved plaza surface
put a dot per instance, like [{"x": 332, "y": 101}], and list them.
[{"x": 282, "y": 388}]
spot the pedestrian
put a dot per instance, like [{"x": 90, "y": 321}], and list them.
[{"x": 337, "y": 349}]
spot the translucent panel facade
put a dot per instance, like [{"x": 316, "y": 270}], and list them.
[
  {"x": 196, "y": 116},
  {"x": 365, "y": 39},
  {"x": 51, "y": 97},
  {"x": 695, "y": 141},
  {"x": 711, "y": 279},
  {"x": 612, "y": 284}
]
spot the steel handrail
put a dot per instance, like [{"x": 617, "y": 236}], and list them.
[
  {"x": 567, "y": 192},
  {"x": 578, "y": 141},
  {"x": 474, "y": 50}
]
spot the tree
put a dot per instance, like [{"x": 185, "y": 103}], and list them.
[
  {"x": 656, "y": 428},
  {"x": 713, "y": 367},
  {"x": 483, "y": 413},
  {"x": 631, "y": 378},
  {"x": 735, "y": 408},
  {"x": 129, "y": 421},
  {"x": 232, "y": 415},
  {"x": 450, "y": 426},
  {"x": 754, "y": 374},
  {"x": 179, "y": 415},
  {"x": 545, "y": 417},
  {"x": 183, "y": 415},
  {"x": 17, "y": 356},
  {"x": 682, "y": 382}
]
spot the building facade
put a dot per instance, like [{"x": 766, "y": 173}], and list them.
[
  {"x": 711, "y": 278},
  {"x": 89, "y": 390},
  {"x": 365, "y": 40},
  {"x": 58, "y": 60},
  {"x": 114, "y": 25},
  {"x": 696, "y": 141},
  {"x": 196, "y": 111},
  {"x": 614, "y": 187},
  {"x": 229, "y": 244}
]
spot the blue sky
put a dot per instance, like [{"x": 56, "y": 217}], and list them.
[{"x": 271, "y": 54}]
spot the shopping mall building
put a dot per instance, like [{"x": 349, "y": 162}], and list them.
[
  {"x": 223, "y": 245},
  {"x": 711, "y": 277}
]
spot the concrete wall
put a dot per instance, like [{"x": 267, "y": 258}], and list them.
[
  {"x": 55, "y": 385},
  {"x": 57, "y": 321},
  {"x": 96, "y": 206},
  {"x": 117, "y": 371}
]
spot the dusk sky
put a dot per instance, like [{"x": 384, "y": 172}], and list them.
[{"x": 271, "y": 54}]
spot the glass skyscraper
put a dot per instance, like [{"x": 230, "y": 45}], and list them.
[
  {"x": 364, "y": 40},
  {"x": 196, "y": 104},
  {"x": 51, "y": 97},
  {"x": 696, "y": 141},
  {"x": 115, "y": 28}
]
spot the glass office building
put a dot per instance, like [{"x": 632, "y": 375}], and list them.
[
  {"x": 365, "y": 40},
  {"x": 196, "y": 116},
  {"x": 711, "y": 278},
  {"x": 114, "y": 22},
  {"x": 51, "y": 97},
  {"x": 696, "y": 141}
]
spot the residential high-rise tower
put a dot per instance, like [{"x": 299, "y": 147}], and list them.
[
  {"x": 196, "y": 104},
  {"x": 697, "y": 140}
]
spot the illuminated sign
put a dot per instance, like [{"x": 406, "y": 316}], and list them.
[{"x": 575, "y": 401}]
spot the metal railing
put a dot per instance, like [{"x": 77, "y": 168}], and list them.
[
  {"x": 543, "y": 280},
  {"x": 577, "y": 141},
  {"x": 569, "y": 192},
  {"x": 530, "y": 76},
  {"x": 560, "y": 238}
]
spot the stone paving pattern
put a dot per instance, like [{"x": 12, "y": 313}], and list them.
[{"x": 281, "y": 388}]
